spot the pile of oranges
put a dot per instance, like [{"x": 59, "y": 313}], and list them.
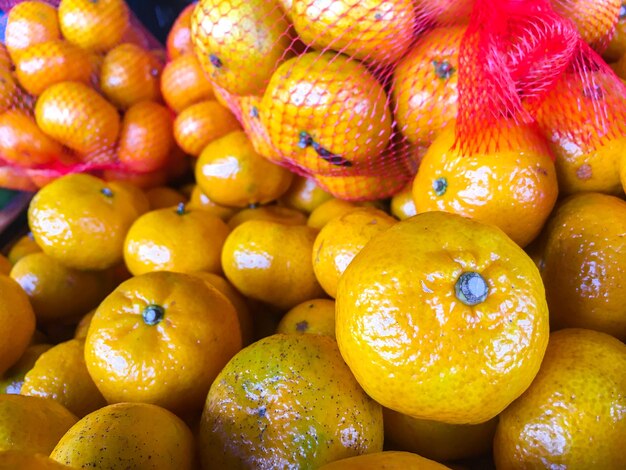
[{"x": 250, "y": 317}]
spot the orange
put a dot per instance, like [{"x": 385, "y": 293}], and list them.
[
  {"x": 239, "y": 42},
  {"x": 305, "y": 91},
  {"x": 442, "y": 318},
  {"x": 17, "y": 322},
  {"x": 83, "y": 325},
  {"x": 178, "y": 40},
  {"x": 255, "y": 129},
  {"x": 425, "y": 85},
  {"x": 161, "y": 338},
  {"x": 146, "y": 137},
  {"x": 33, "y": 424},
  {"x": 279, "y": 214},
  {"x": 128, "y": 435},
  {"x": 129, "y": 75},
  {"x": 316, "y": 316},
  {"x": 24, "y": 245},
  {"x": 271, "y": 262},
  {"x": 146, "y": 180},
  {"x": 55, "y": 291},
  {"x": 617, "y": 45},
  {"x": 231, "y": 173},
  {"x": 175, "y": 239},
  {"x": 513, "y": 187},
  {"x": 96, "y": 26},
  {"x": 5, "y": 265},
  {"x": 27, "y": 460},
  {"x": 584, "y": 264},
  {"x": 8, "y": 90},
  {"x": 341, "y": 239},
  {"x": 304, "y": 194},
  {"x": 161, "y": 197},
  {"x": 82, "y": 221},
  {"x": 52, "y": 62},
  {"x": 392, "y": 460},
  {"x": 202, "y": 123},
  {"x": 438, "y": 441},
  {"x": 365, "y": 187},
  {"x": 402, "y": 204},
  {"x": 13, "y": 378},
  {"x": 365, "y": 30},
  {"x": 183, "y": 83},
  {"x": 199, "y": 200},
  {"x": 595, "y": 19},
  {"x": 571, "y": 416},
  {"x": 328, "y": 210},
  {"x": 23, "y": 143},
  {"x": 30, "y": 23},
  {"x": 77, "y": 116},
  {"x": 287, "y": 401},
  {"x": 61, "y": 374}
]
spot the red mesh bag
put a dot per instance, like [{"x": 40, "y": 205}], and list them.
[
  {"x": 80, "y": 92},
  {"x": 352, "y": 93}
]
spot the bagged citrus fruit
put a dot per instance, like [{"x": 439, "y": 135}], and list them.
[
  {"x": 353, "y": 94},
  {"x": 80, "y": 91}
]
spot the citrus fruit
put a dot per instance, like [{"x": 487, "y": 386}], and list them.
[
  {"x": 161, "y": 338},
  {"x": 328, "y": 210},
  {"x": 594, "y": 19},
  {"x": 392, "y": 460},
  {"x": 442, "y": 318},
  {"x": 255, "y": 129},
  {"x": 271, "y": 262},
  {"x": 287, "y": 401},
  {"x": 199, "y": 200},
  {"x": 402, "y": 204},
  {"x": 30, "y": 23},
  {"x": 13, "y": 378},
  {"x": 8, "y": 89},
  {"x": 178, "y": 40},
  {"x": 304, "y": 194},
  {"x": 279, "y": 214},
  {"x": 26, "y": 460},
  {"x": 24, "y": 245},
  {"x": 183, "y": 83},
  {"x": 570, "y": 416},
  {"x": 128, "y": 435},
  {"x": 316, "y": 316},
  {"x": 380, "y": 182},
  {"x": 163, "y": 196}
]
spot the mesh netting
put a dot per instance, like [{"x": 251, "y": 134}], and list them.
[{"x": 352, "y": 92}]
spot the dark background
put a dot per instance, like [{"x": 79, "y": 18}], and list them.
[{"x": 158, "y": 15}]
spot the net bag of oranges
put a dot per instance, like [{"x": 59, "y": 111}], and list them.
[
  {"x": 80, "y": 92},
  {"x": 355, "y": 93}
]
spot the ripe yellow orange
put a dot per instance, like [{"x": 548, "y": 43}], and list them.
[
  {"x": 199, "y": 200},
  {"x": 316, "y": 316},
  {"x": 402, "y": 204},
  {"x": 279, "y": 214},
  {"x": 17, "y": 322},
  {"x": 23, "y": 246},
  {"x": 30, "y": 23}
]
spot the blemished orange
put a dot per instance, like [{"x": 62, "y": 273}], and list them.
[
  {"x": 9, "y": 90},
  {"x": 571, "y": 416},
  {"x": 297, "y": 389},
  {"x": 402, "y": 204},
  {"x": 271, "y": 262},
  {"x": 96, "y": 26},
  {"x": 23, "y": 143},
  {"x": 595, "y": 19},
  {"x": 161, "y": 338},
  {"x": 175, "y": 239},
  {"x": 32, "y": 424},
  {"x": 315, "y": 316},
  {"x": 231, "y": 173},
  {"x": 584, "y": 264},
  {"x": 130, "y": 75},
  {"x": 199, "y": 200},
  {"x": 341, "y": 239},
  {"x": 456, "y": 326},
  {"x": 183, "y": 83},
  {"x": 178, "y": 40},
  {"x": 128, "y": 435},
  {"x": 23, "y": 246},
  {"x": 328, "y": 210},
  {"x": 389, "y": 460},
  {"x": 164, "y": 196},
  {"x": 146, "y": 137},
  {"x": 17, "y": 322},
  {"x": 301, "y": 95},
  {"x": 61, "y": 374},
  {"x": 513, "y": 188},
  {"x": 202, "y": 123},
  {"x": 82, "y": 220},
  {"x": 274, "y": 213},
  {"x": 438, "y": 441},
  {"x": 77, "y": 116},
  {"x": 30, "y": 23},
  {"x": 304, "y": 194},
  {"x": 52, "y": 62},
  {"x": 28, "y": 460},
  {"x": 239, "y": 58},
  {"x": 363, "y": 30},
  {"x": 425, "y": 85}
]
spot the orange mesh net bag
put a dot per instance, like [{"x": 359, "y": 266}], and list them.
[
  {"x": 80, "y": 92},
  {"x": 352, "y": 93}
]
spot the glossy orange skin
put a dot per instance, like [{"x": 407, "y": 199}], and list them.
[
  {"x": 513, "y": 188},
  {"x": 279, "y": 214},
  {"x": 316, "y": 317},
  {"x": 178, "y": 40},
  {"x": 171, "y": 363},
  {"x": 129, "y": 75},
  {"x": 255, "y": 129},
  {"x": 199, "y": 200},
  {"x": 146, "y": 137},
  {"x": 328, "y": 210},
  {"x": 183, "y": 83},
  {"x": 23, "y": 143},
  {"x": 96, "y": 26},
  {"x": 366, "y": 30},
  {"x": 305, "y": 90},
  {"x": 392, "y": 460},
  {"x": 52, "y": 62},
  {"x": 30, "y": 23},
  {"x": 415, "y": 347},
  {"x": 244, "y": 57},
  {"x": 584, "y": 264},
  {"x": 595, "y": 19},
  {"x": 569, "y": 416},
  {"x": 305, "y": 195},
  {"x": 22, "y": 247},
  {"x": 202, "y": 123},
  {"x": 424, "y": 91},
  {"x": 77, "y": 116},
  {"x": 402, "y": 205},
  {"x": 13, "y": 378},
  {"x": 298, "y": 403},
  {"x": 17, "y": 322},
  {"x": 8, "y": 90}
]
